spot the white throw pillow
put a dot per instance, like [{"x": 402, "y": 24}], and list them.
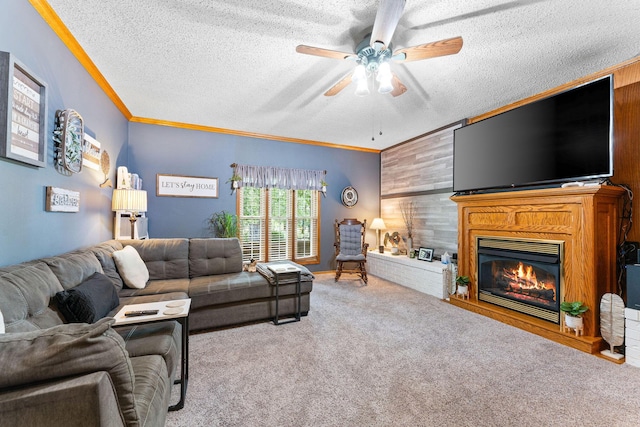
[
  {"x": 1, "y": 323},
  {"x": 131, "y": 267}
]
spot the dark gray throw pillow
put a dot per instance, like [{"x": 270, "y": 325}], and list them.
[{"x": 88, "y": 302}]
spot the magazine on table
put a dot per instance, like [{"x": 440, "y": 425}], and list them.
[{"x": 283, "y": 268}]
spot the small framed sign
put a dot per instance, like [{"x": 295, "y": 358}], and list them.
[
  {"x": 62, "y": 200},
  {"x": 186, "y": 186},
  {"x": 23, "y": 113}
]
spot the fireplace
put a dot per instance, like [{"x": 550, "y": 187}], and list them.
[
  {"x": 582, "y": 221},
  {"x": 521, "y": 275}
]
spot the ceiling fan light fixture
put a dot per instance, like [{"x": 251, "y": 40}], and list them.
[
  {"x": 359, "y": 74},
  {"x": 363, "y": 88},
  {"x": 384, "y": 72},
  {"x": 385, "y": 86}
]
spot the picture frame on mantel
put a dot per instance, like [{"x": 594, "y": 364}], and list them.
[
  {"x": 425, "y": 254},
  {"x": 23, "y": 113}
]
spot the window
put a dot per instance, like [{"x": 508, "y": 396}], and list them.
[{"x": 276, "y": 224}]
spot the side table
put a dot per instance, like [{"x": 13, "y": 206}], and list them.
[
  {"x": 167, "y": 310},
  {"x": 281, "y": 271}
]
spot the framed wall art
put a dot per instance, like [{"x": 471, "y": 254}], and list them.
[
  {"x": 186, "y": 186},
  {"x": 425, "y": 254},
  {"x": 23, "y": 113},
  {"x": 69, "y": 137}
]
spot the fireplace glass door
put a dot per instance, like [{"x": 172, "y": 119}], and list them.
[{"x": 524, "y": 276}]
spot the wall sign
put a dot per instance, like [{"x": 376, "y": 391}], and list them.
[
  {"x": 186, "y": 186},
  {"x": 23, "y": 113},
  {"x": 62, "y": 200},
  {"x": 91, "y": 153}
]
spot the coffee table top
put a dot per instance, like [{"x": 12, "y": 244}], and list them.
[{"x": 167, "y": 310}]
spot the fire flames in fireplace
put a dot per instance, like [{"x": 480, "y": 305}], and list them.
[{"x": 522, "y": 281}]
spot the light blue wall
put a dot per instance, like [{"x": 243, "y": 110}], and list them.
[
  {"x": 26, "y": 230},
  {"x": 157, "y": 149}
]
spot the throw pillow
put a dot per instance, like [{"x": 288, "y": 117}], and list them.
[
  {"x": 1, "y": 323},
  {"x": 131, "y": 267},
  {"x": 88, "y": 302}
]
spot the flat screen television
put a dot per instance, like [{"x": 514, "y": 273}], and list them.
[{"x": 563, "y": 138}]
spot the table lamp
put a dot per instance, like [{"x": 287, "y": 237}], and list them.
[
  {"x": 132, "y": 201},
  {"x": 378, "y": 224}
]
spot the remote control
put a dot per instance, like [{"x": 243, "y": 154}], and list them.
[{"x": 140, "y": 313}]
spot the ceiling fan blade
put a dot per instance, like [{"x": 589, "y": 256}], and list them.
[
  {"x": 398, "y": 87},
  {"x": 318, "y": 51},
  {"x": 336, "y": 88},
  {"x": 429, "y": 50},
  {"x": 387, "y": 17}
]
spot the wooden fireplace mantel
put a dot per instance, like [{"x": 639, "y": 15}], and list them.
[{"x": 585, "y": 218}]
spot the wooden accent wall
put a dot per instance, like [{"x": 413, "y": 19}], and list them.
[
  {"x": 584, "y": 218},
  {"x": 421, "y": 171}
]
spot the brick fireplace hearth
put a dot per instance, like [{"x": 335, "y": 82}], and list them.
[{"x": 584, "y": 219}]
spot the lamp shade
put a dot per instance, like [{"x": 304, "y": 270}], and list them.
[
  {"x": 129, "y": 200},
  {"x": 377, "y": 224}
]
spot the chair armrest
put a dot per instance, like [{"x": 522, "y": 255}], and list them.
[
  {"x": 69, "y": 350},
  {"x": 365, "y": 249},
  {"x": 88, "y": 400}
]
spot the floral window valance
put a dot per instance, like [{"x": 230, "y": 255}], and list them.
[{"x": 272, "y": 177}]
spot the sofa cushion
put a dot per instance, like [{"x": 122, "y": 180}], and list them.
[
  {"x": 152, "y": 389},
  {"x": 236, "y": 287},
  {"x": 66, "y": 351},
  {"x": 1, "y": 323},
  {"x": 165, "y": 258},
  {"x": 214, "y": 256},
  {"x": 161, "y": 338},
  {"x": 103, "y": 252},
  {"x": 89, "y": 301},
  {"x": 25, "y": 293},
  {"x": 73, "y": 268},
  {"x": 158, "y": 287},
  {"x": 131, "y": 267}
]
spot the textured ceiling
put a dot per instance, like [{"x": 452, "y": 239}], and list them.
[{"x": 233, "y": 65}]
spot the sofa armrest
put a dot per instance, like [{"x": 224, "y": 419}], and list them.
[
  {"x": 88, "y": 400},
  {"x": 67, "y": 351}
]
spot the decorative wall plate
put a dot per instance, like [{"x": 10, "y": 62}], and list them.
[
  {"x": 349, "y": 197},
  {"x": 69, "y": 136}
]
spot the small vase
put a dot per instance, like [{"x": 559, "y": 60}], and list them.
[
  {"x": 409, "y": 246},
  {"x": 463, "y": 289}
]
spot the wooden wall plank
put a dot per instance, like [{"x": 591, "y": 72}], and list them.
[{"x": 421, "y": 171}]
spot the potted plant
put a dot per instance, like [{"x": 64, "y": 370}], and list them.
[
  {"x": 573, "y": 314},
  {"x": 234, "y": 181},
  {"x": 463, "y": 285},
  {"x": 323, "y": 184},
  {"x": 223, "y": 224},
  {"x": 393, "y": 238}
]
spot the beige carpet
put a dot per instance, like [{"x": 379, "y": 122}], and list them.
[{"x": 385, "y": 355}]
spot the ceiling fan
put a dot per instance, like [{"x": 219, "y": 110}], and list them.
[{"x": 374, "y": 53}]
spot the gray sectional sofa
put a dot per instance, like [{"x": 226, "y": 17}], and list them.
[{"x": 53, "y": 372}]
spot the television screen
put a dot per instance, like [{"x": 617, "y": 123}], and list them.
[{"x": 566, "y": 137}]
